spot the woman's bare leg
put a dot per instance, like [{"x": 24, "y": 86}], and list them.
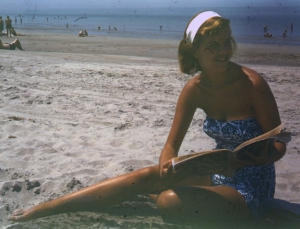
[
  {"x": 18, "y": 44},
  {"x": 191, "y": 203},
  {"x": 103, "y": 194}
]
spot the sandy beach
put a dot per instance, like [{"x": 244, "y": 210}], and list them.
[{"x": 78, "y": 110}]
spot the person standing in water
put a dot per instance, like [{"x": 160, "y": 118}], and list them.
[{"x": 8, "y": 26}]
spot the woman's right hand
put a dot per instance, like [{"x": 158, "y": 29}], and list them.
[
  {"x": 166, "y": 170},
  {"x": 173, "y": 176}
]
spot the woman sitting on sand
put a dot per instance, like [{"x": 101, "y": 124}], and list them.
[
  {"x": 239, "y": 106},
  {"x": 14, "y": 32},
  {"x": 12, "y": 46}
]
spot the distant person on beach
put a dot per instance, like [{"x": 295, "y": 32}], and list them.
[
  {"x": 284, "y": 33},
  {"x": 239, "y": 105},
  {"x": 12, "y": 46},
  {"x": 83, "y": 33},
  {"x": 292, "y": 27},
  {"x": 13, "y": 32},
  {"x": 265, "y": 28},
  {"x": 1, "y": 26},
  {"x": 268, "y": 35},
  {"x": 8, "y": 26}
]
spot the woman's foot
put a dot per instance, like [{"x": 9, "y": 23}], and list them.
[{"x": 20, "y": 215}]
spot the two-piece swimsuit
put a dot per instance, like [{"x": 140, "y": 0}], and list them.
[{"x": 255, "y": 183}]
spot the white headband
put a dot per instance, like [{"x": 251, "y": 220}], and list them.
[{"x": 196, "y": 23}]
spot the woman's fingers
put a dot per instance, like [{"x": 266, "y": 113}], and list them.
[{"x": 261, "y": 157}]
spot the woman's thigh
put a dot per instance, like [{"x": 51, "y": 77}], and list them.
[
  {"x": 203, "y": 203},
  {"x": 195, "y": 181}
]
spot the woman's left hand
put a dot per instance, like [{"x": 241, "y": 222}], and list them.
[
  {"x": 262, "y": 157},
  {"x": 257, "y": 159}
]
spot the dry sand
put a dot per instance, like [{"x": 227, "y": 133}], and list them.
[{"x": 75, "y": 111}]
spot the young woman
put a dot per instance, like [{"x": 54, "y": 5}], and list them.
[
  {"x": 239, "y": 106},
  {"x": 12, "y": 46}
]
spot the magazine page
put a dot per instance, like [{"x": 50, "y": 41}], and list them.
[{"x": 274, "y": 134}]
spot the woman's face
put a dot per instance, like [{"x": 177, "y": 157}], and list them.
[{"x": 215, "y": 50}]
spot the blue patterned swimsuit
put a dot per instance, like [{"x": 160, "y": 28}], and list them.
[{"x": 255, "y": 183}]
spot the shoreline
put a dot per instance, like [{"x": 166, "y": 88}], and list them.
[{"x": 247, "y": 53}]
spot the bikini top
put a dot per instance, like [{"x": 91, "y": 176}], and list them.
[{"x": 230, "y": 134}]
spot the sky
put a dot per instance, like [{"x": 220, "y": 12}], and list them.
[{"x": 85, "y": 4}]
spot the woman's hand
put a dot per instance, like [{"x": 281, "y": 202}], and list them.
[
  {"x": 260, "y": 158},
  {"x": 257, "y": 155},
  {"x": 166, "y": 170},
  {"x": 172, "y": 176}
]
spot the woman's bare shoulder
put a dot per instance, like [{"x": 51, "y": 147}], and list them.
[
  {"x": 254, "y": 77},
  {"x": 191, "y": 91}
]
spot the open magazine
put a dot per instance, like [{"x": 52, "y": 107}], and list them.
[{"x": 216, "y": 161}]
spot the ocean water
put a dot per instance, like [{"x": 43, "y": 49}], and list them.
[{"x": 247, "y": 22}]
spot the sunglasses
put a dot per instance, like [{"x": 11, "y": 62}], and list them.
[{"x": 216, "y": 46}]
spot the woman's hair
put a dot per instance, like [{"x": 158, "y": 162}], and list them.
[{"x": 186, "y": 51}]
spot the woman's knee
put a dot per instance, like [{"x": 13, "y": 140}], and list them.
[
  {"x": 151, "y": 171},
  {"x": 148, "y": 174},
  {"x": 168, "y": 201}
]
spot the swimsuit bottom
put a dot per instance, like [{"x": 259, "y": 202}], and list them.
[
  {"x": 12, "y": 46},
  {"x": 255, "y": 183}
]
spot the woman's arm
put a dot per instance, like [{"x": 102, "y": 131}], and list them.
[
  {"x": 266, "y": 113},
  {"x": 185, "y": 110}
]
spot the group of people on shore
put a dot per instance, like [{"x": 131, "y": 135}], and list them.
[
  {"x": 284, "y": 34},
  {"x": 83, "y": 33},
  {"x": 10, "y": 30},
  {"x": 8, "y": 26}
]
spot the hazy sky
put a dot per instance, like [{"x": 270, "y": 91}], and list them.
[{"x": 84, "y": 4}]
